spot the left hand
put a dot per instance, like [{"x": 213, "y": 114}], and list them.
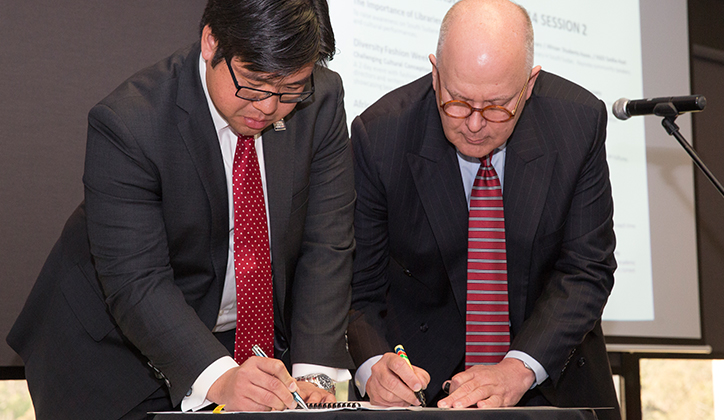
[
  {"x": 500, "y": 385},
  {"x": 311, "y": 393}
]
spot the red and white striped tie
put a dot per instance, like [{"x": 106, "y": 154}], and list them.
[{"x": 487, "y": 332}]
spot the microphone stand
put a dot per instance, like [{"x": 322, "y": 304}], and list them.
[{"x": 669, "y": 112}]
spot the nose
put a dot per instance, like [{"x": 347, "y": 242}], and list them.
[
  {"x": 267, "y": 106},
  {"x": 475, "y": 122}
]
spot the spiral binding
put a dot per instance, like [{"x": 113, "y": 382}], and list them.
[{"x": 339, "y": 404}]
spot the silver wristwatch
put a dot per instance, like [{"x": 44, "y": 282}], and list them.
[{"x": 320, "y": 380}]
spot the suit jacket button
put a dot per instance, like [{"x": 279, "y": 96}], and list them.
[
  {"x": 581, "y": 362},
  {"x": 424, "y": 328},
  {"x": 407, "y": 272}
]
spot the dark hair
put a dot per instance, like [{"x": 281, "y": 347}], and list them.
[{"x": 272, "y": 36}]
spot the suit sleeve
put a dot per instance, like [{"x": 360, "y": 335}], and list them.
[
  {"x": 128, "y": 239},
  {"x": 578, "y": 277},
  {"x": 370, "y": 281},
  {"x": 321, "y": 290}
]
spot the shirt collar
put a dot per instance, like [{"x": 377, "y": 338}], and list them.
[{"x": 477, "y": 160}]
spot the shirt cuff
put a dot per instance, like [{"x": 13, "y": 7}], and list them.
[
  {"x": 540, "y": 373},
  {"x": 337, "y": 375},
  {"x": 196, "y": 398},
  {"x": 364, "y": 372}
]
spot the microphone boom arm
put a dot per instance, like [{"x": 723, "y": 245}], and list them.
[{"x": 669, "y": 112}]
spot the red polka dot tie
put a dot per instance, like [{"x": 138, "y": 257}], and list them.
[
  {"x": 487, "y": 334},
  {"x": 252, "y": 262}
]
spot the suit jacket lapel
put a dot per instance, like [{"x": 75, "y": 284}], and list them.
[
  {"x": 279, "y": 153},
  {"x": 197, "y": 130},
  {"x": 438, "y": 181},
  {"x": 528, "y": 172}
]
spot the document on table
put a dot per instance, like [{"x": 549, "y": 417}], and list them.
[{"x": 338, "y": 406}]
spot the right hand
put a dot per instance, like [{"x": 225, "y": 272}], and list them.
[
  {"x": 259, "y": 384},
  {"x": 393, "y": 383}
]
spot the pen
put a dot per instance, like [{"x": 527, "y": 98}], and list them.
[
  {"x": 401, "y": 352},
  {"x": 259, "y": 352}
]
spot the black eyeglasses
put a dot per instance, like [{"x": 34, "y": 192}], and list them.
[
  {"x": 255, "y": 95},
  {"x": 492, "y": 113}
]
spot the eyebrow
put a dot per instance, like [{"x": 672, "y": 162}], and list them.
[
  {"x": 270, "y": 78},
  {"x": 458, "y": 96}
]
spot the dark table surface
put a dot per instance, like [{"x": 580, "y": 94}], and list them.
[{"x": 425, "y": 414}]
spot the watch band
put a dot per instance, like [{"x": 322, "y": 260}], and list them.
[{"x": 320, "y": 380}]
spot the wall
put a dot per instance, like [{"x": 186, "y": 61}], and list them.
[{"x": 58, "y": 60}]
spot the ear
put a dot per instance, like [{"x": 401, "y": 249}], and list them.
[
  {"x": 433, "y": 61},
  {"x": 531, "y": 82},
  {"x": 208, "y": 44}
]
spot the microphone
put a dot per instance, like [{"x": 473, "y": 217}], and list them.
[{"x": 623, "y": 109}]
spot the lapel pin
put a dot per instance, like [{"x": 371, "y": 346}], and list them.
[{"x": 279, "y": 125}]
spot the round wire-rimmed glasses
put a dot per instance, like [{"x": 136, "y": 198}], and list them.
[
  {"x": 255, "y": 95},
  {"x": 493, "y": 113}
]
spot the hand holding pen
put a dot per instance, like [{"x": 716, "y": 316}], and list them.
[
  {"x": 400, "y": 351},
  {"x": 394, "y": 383},
  {"x": 258, "y": 384},
  {"x": 259, "y": 352}
]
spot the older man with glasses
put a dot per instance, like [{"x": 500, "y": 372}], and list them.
[{"x": 484, "y": 228}]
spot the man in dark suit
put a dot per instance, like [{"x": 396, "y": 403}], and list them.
[
  {"x": 417, "y": 151},
  {"x": 135, "y": 308}
]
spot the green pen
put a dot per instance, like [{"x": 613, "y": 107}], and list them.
[{"x": 401, "y": 352}]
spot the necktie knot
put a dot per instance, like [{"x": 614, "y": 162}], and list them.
[
  {"x": 246, "y": 139},
  {"x": 485, "y": 160}
]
